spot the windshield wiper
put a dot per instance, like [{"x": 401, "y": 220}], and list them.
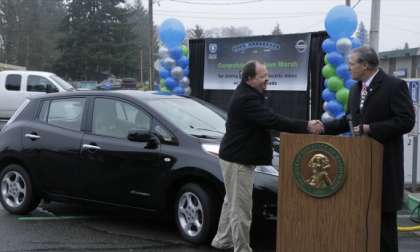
[
  {"x": 204, "y": 136},
  {"x": 204, "y": 129}
]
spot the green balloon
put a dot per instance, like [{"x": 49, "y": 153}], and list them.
[
  {"x": 326, "y": 60},
  {"x": 185, "y": 50},
  {"x": 335, "y": 83},
  {"x": 328, "y": 71},
  {"x": 162, "y": 82},
  {"x": 164, "y": 90},
  {"x": 345, "y": 107},
  {"x": 342, "y": 96}
]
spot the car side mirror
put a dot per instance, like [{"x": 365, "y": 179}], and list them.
[
  {"x": 51, "y": 89},
  {"x": 144, "y": 136}
]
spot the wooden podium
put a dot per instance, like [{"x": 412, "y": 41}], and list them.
[{"x": 347, "y": 220}]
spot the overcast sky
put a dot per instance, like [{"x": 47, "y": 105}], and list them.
[{"x": 399, "y": 23}]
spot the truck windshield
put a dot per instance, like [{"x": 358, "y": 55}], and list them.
[{"x": 64, "y": 84}]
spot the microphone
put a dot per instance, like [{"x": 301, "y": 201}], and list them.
[{"x": 350, "y": 121}]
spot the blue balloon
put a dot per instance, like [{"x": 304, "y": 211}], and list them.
[
  {"x": 183, "y": 62},
  {"x": 328, "y": 45},
  {"x": 350, "y": 83},
  {"x": 355, "y": 42},
  {"x": 163, "y": 73},
  {"x": 179, "y": 90},
  {"x": 327, "y": 95},
  {"x": 172, "y": 32},
  {"x": 186, "y": 71},
  {"x": 334, "y": 108},
  {"x": 335, "y": 58},
  {"x": 342, "y": 71},
  {"x": 340, "y": 115},
  {"x": 341, "y": 21},
  {"x": 171, "y": 83},
  {"x": 175, "y": 52}
]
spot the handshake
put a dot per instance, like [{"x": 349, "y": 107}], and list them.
[{"x": 315, "y": 127}]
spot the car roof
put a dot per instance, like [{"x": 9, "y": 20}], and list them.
[
  {"x": 42, "y": 73},
  {"x": 136, "y": 94}
]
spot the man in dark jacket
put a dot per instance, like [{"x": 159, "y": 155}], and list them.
[
  {"x": 380, "y": 107},
  {"x": 247, "y": 143}
]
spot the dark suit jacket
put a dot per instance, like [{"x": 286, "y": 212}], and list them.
[{"x": 388, "y": 109}]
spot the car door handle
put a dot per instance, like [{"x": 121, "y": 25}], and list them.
[
  {"x": 90, "y": 147},
  {"x": 32, "y": 136}
]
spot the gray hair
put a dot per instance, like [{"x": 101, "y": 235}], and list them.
[
  {"x": 367, "y": 55},
  {"x": 249, "y": 70}
]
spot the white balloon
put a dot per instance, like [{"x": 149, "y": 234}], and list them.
[
  {"x": 326, "y": 118},
  {"x": 156, "y": 65},
  {"x": 177, "y": 73},
  {"x": 163, "y": 52},
  {"x": 187, "y": 91},
  {"x": 185, "y": 82},
  {"x": 168, "y": 63},
  {"x": 324, "y": 106},
  {"x": 343, "y": 45}
]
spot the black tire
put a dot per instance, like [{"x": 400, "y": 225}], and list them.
[
  {"x": 207, "y": 209},
  {"x": 16, "y": 190}
]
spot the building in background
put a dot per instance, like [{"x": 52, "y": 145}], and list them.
[{"x": 402, "y": 63}]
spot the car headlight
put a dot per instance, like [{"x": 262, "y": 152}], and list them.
[
  {"x": 212, "y": 149},
  {"x": 267, "y": 169}
]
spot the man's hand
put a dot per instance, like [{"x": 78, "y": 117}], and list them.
[
  {"x": 315, "y": 127},
  {"x": 363, "y": 129}
]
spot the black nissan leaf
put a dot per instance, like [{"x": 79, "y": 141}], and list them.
[{"x": 154, "y": 152}]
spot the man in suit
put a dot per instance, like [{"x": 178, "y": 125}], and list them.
[{"x": 380, "y": 107}]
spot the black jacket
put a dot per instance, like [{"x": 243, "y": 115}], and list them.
[
  {"x": 388, "y": 109},
  {"x": 247, "y": 139}
]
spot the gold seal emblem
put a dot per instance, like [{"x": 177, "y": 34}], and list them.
[{"x": 318, "y": 170}]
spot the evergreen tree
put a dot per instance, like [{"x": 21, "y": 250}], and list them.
[
  {"x": 276, "y": 30},
  {"x": 97, "y": 40},
  {"x": 28, "y": 32},
  {"x": 196, "y": 33},
  {"x": 362, "y": 34}
]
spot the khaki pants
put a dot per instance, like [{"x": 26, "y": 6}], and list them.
[{"x": 236, "y": 216}]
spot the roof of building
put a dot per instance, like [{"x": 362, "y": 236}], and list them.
[{"x": 400, "y": 53}]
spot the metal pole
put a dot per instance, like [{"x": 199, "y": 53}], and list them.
[
  {"x": 374, "y": 24},
  {"x": 141, "y": 66},
  {"x": 414, "y": 173},
  {"x": 151, "y": 44},
  {"x": 348, "y": 2}
]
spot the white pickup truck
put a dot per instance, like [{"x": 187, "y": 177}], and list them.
[{"x": 17, "y": 85}]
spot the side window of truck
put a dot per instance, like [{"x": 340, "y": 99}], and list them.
[
  {"x": 13, "y": 82},
  {"x": 40, "y": 84}
]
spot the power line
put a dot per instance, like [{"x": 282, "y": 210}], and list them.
[{"x": 206, "y": 2}]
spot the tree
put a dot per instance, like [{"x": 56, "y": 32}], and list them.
[
  {"x": 362, "y": 34},
  {"x": 406, "y": 46},
  {"x": 97, "y": 40},
  {"x": 276, "y": 30},
  {"x": 196, "y": 33},
  {"x": 28, "y": 30}
]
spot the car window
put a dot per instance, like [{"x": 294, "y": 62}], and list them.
[
  {"x": 13, "y": 82},
  {"x": 115, "y": 118},
  {"x": 44, "y": 111},
  {"x": 40, "y": 84},
  {"x": 66, "y": 113},
  {"x": 190, "y": 116}
]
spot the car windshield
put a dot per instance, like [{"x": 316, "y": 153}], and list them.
[
  {"x": 190, "y": 116},
  {"x": 64, "y": 84}
]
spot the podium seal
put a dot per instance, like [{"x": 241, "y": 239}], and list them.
[{"x": 318, "y": 170}]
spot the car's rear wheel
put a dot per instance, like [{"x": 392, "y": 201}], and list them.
[
  {"x": 196, "y": 213},
  {"x": 16, "y": 190}
]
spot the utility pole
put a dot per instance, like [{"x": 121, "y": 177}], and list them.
[
  {"x": 348, "y": 2},
  {"x": 151, "y": 44},
  {"x": 374, "y": 24},
  {"x": 141, "y": 67}
]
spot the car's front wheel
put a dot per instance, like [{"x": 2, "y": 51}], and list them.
[
  {"x": 17, "y": 193},
  {"x": 196, "y": 213}
]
